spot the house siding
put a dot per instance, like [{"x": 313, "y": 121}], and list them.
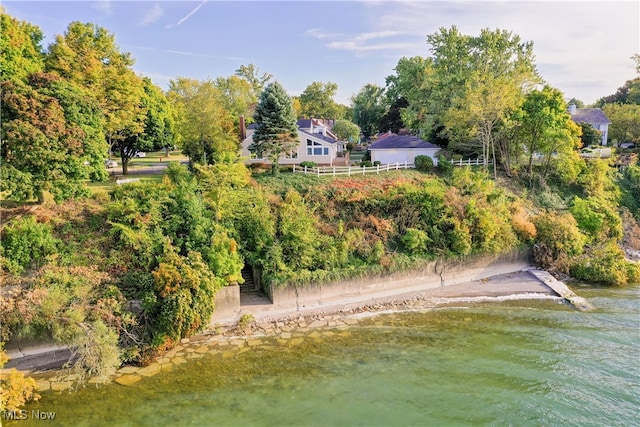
[
  {"x": 301, "y": 150},
  {"x": 402, "y": 155}
]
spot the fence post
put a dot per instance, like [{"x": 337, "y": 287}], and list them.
[
  {"x": 378, "y": 169},
  {"x": 305, "y": 169},
  {"x": 334, "y": 171},
  {"x": 349, "y": 171},
  {"x": 318, "y": 171}
]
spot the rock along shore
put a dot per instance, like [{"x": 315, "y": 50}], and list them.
[{"x": 289, "y": 328}]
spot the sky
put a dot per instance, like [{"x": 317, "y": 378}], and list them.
[{"x": 581, "y": 47}]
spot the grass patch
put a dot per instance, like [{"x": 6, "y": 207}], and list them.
[{"x": 107, "y": 186}]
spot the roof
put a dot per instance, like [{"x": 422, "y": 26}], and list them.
[
  {"x": 318, "y": 136},
  {"x": 391, "y": 140},
  {"x": 304, "y": 123},
  {"x": 590, "y": 115}
]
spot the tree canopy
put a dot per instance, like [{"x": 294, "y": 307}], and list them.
[
  {"x": 317, "y": 101},
  {"x": 368, "y": 107},
  {"x": 205, "y": 129}
]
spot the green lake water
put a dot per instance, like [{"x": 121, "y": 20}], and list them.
[{"x": 515, "y": 363}]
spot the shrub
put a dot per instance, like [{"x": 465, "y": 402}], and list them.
[
  {"x": 16, "y": 389},
  {"x": 559, "y": 239},
  {"x": 423, "y": 163},
  {"x": 444, "y": 165},
  {"x": 182, "y": 301},
  {"x": 603, "y": 264},
  {"x": 308, "y": 164},
  {"x": 26, "y": 243},
  {"x": 377, "y": 163},
  {"x": 415, "y": 241},
  {"x": 366, "y": 163},
  {"x": 597, "y": 219}
]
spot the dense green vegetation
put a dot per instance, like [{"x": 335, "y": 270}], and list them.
[{"x": 123, "y": 274}]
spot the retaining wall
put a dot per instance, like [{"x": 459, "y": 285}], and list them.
[
  {"x": 227, "y": 304},
  {"x": 435, "y": 274}
]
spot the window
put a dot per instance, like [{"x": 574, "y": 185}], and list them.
[{"x": 316, "y": 149}]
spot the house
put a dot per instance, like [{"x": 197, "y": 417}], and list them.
[
  {"x": 316, "y": 144},
  {"x": 593, "y": 116},
  {"x": 392, "y": 148}
]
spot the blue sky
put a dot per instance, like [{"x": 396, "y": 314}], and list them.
[{"x": 582, "y": 47}]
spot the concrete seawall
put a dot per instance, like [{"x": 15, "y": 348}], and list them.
[{"x": 436, "y": 274}]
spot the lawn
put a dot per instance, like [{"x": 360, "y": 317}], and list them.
[
  {"x": 153, "y": 159},
  {"x": 106, "y": 186}
]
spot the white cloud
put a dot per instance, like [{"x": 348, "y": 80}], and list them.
[
  {"x": 103, "y": 6},
  {"x": 359, "y": 43},
  {"x": 188, "y": 15},
  {"x": 152, "y": 15},
  {"x": 358, "y": 47},
  {"x": 376, "y": 35},
  {"x": 319, "y": 34}
]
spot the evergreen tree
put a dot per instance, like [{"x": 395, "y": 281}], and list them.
[{"x": 277, "y": 132}]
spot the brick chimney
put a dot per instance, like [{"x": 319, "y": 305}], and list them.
[{"x": 243, "y": 129}]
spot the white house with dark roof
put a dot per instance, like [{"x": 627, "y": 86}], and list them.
[
  {"x": 392, "y": 148},
  {"x": 593, "y": 116},
  {"x": 316, "y": 144}
]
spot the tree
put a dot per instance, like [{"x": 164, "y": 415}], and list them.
[
  {"x": 494, "y": 71},
  {"x": 20, "y": 50},
  {"x": 157, "y": 126},
  {"x": 625, "y": 122},
  {"x": 392, "y": 119},
  {"x": 368, "y": 108},
  {"x": 590, "y": 135},
  {"x": 277, "y": 132},
  {"x": 346, "y": 130},
  {"x": 407, "y": 92},
  {"x": 629, "y": 93},
  {"x": 251, "y": 74},
  {"x": 204, "y": 128},
  {"x": 544, "y": 126},
  {"x": 238, "y": 96},
  {"x": 43, "y": 148},
  {"x": 317, "y": 101},
  {"x": 88, "y": 56}
]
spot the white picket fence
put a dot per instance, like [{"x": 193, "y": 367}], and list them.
[
  {"x": 467, "y": 162},
  {"x": 363, "y": 170},
  {"x": 351, "y": 170}
]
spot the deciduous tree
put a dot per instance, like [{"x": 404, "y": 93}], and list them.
[
  {"x": 204, "y": 128},
  {"x": 20, "y": 50},
  {"x": 317, "y": 101},
  {"x": 368, "y": 108},
  {"x": 346, "y": 130},
  {"x": 625, "y": 122},
  {"x": 42, "y": 150},
  {"x": 252, "y": 74}
]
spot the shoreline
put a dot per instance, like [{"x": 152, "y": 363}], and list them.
[
  {"x": 264, "y": 321},
  {"x": 523, "y": 283}
]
